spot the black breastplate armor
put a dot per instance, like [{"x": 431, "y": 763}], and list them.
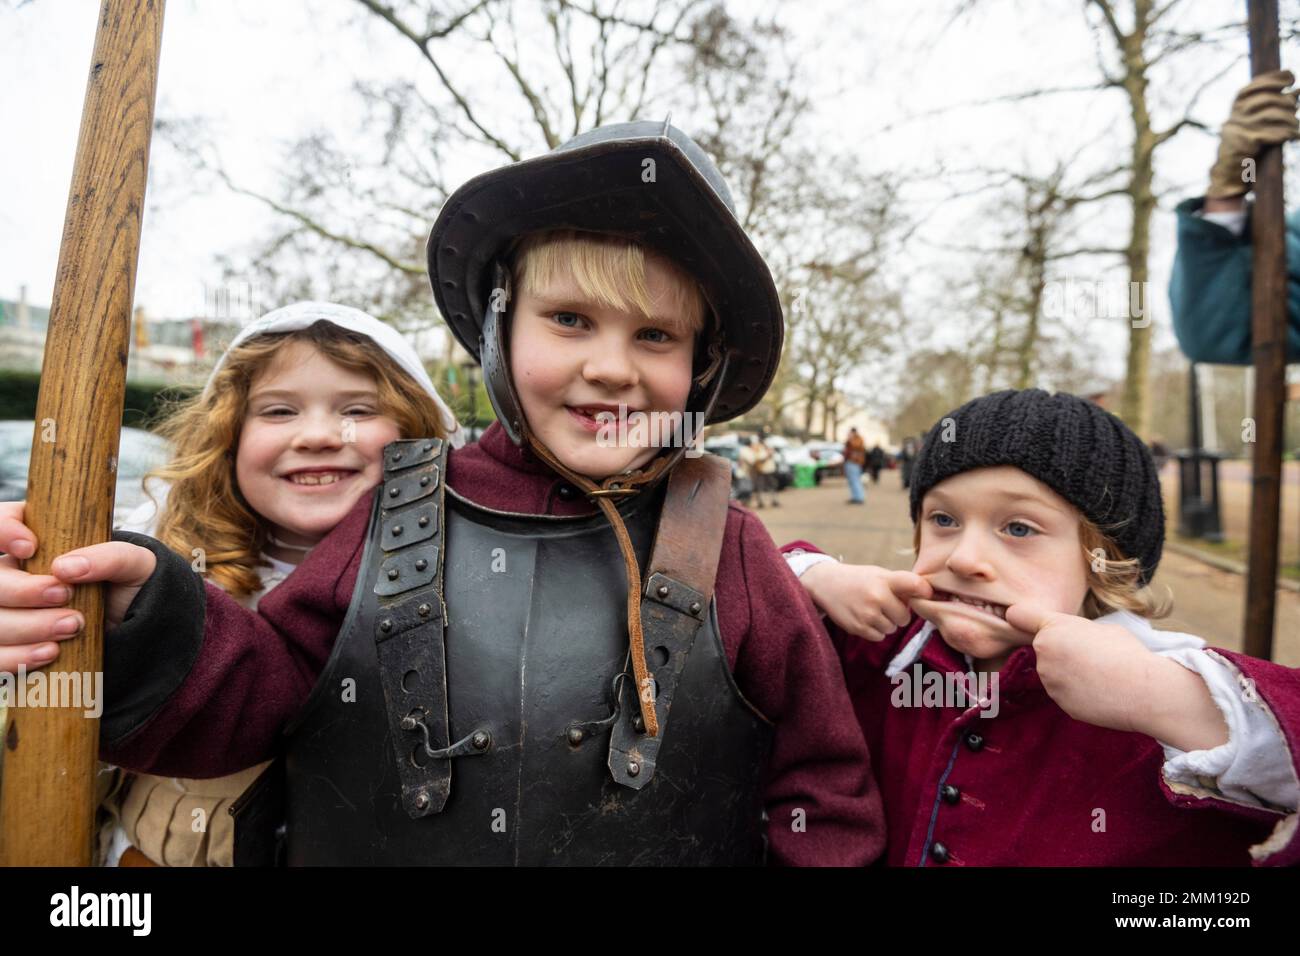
[{"x": 535, "y": 638}]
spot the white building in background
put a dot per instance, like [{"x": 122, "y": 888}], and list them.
[
  {"x": 872, "y": 430},
  {"x": 177, "y": 351}
]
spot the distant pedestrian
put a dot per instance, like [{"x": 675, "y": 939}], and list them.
[
  {"x": 760, "y": 465},
  {"x": 855, "y": 459},
  {"x": 876, "y": 462},
  {"x": 907, "y": 455}
]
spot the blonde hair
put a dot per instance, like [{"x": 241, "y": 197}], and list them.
[
  {"x": 610, "y": 271},
  {"x": 1114, "y": 581},
  {"x": 204, "y": 507}
]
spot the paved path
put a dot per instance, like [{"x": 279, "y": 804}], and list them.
[{"x": 1207, "y": 601}]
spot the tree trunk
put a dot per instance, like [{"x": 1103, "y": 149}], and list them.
[{"x": 1135, "y": 408}]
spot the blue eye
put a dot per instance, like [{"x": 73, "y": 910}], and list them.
[
  {"x": 942, "y": 520},
  {"x": 1014, "y": 525},
  {"x": 663, "y": 339},
  {"x": 562, "y": 317}
]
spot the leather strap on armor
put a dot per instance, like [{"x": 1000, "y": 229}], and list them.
[
  {"x": 678, "y": 589},
  {"x": 410, "y": 627}
]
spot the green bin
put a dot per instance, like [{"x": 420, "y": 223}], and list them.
[{"x": 804, "y": 475}]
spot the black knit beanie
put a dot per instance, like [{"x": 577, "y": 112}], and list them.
[{"x": 1079, "y": 450}]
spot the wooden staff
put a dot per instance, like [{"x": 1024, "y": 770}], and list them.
[
  {"x": 47, "y": 793},
  {"x": 1268, "y": 338}
]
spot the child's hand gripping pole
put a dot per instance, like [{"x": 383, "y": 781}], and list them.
[
  {"x": 47, "y": 793},
  {"x": 34, "y": 615}
]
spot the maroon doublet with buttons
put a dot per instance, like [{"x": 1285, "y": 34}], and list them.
[
  {"x": 1031, "y": 786},
  {"x": 255, "y": 669}
]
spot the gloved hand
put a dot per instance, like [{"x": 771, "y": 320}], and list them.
[{"x": 1263, "y": 114}]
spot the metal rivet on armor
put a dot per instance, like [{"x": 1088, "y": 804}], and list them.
[
  {"x": 576, "y": 735},
  {"x": 394, "y": 491},
  {"x": 633, "y": 768},
  {"x": 695, "y": 607},
  {"x": 392, "y": 574},
  {"x": 421, "y": 564},
  {"x": 662, "y": 591},
  {"x": 421, "y": 801},
  {"x": 424, "y": 481},
  {"x": 397, "y": 531},
  {"x": 408, "y": 723},
  {"x": 425, "y": 610},
  {"x": 429, "y": 447},
  {"x": 481, "y": 740},
  {"x": 615, "y": 486},
  {"x": 638, "y": 724},
  {"x": 397, "y": 456},
  {"x": 424, "y": 521},
  {"x": 385, "y": 625}
]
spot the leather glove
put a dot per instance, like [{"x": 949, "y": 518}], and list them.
[{"x": 1263, "y": 114}]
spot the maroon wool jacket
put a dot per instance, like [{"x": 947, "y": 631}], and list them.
[
  {"x": 1024, "y": 787},
  {"x": 219, "y": 701}
]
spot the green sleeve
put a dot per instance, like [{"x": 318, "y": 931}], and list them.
[{"x": 1209, "y": 290}]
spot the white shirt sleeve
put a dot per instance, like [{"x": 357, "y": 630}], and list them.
[
  {"x": 800, "y": 560},
  {"x": 1254, "y": 767},
  {"x": 1234, "y": 222}
]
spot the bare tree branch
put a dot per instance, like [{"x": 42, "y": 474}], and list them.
[
  {"x": 392, "y": 261},
  {"x": 422, "y": 44}
]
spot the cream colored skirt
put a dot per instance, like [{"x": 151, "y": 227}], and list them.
[{"x": 172, "y": 820}]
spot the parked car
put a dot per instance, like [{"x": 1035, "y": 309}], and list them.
[
  {"x": 829, "y": 456},
  {"x": 728, "y": 447},
  {"x": 796, "y": 455},
  {"x": 138, "y": 452}
]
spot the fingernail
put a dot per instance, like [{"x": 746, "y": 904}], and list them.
[
  {"x": 45, "y": 655},
  {"x": 23, "y": 549},
  {"x": 56, "y": 595},
  {"x": 72, "y": 567},
  {"x": 68, "y": 625}
]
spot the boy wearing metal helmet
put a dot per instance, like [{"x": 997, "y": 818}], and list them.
[{"x": 661, "y": 694}]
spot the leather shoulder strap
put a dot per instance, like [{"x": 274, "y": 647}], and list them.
[
  {"x": 677, "y": 592},
  {"x": 688, "y": 542}
]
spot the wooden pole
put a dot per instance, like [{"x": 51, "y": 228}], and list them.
[
  {"x": 1268, "y": 338},
  {"x": 47, "y": 792}
]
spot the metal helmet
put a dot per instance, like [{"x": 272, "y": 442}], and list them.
[{"x": 647, "y": 181}]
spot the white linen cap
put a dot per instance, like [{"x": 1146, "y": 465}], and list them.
[{"x": 301, "y": 315}]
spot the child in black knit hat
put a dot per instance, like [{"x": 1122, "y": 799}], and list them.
[{"x": 1019, "y": 707}]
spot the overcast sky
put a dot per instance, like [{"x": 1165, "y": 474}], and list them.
[{"x": 264, "y": 73}]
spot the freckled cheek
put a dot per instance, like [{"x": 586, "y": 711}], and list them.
[
  {"x": 372, "y": 444},
  {"x": 255, "y": 456}
]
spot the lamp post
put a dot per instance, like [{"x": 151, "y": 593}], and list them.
[{"x": 1198, "y": 476}]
